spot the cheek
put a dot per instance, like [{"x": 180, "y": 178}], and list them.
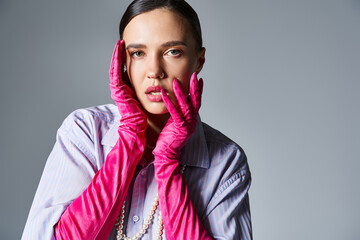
[
  {"x": 183, "y": 74},
  {"x": 185, "y": 83}
]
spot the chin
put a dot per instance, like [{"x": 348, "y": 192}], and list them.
[{"x": 156, "y": 110}]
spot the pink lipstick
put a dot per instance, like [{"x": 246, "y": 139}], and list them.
[{"x": 153, "y": 93}]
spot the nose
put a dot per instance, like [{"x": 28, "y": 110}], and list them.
[{"x": 154, "y": 68}]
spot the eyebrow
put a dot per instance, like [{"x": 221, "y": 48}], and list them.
[
  {"x": 167, "y": 44},
  {"x": 174, "y": 43},
  {"x": 135, "y": 45}
]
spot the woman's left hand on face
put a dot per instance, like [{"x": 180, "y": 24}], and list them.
[{"x": 182, "y": 122}]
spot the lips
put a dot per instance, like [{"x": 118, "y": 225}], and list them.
[
  {"x": 153, "y": 89},
  {"x": 153, "y": 93}
]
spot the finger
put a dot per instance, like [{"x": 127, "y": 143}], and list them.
[
  {"x": 181, "y": 98},
  {"x": 170, "y": 106},
  {"x": 114, "y": 71},
  {"x": 196, "y": 88}
]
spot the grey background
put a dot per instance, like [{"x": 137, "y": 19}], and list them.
[{"x": 281, "y": 79}]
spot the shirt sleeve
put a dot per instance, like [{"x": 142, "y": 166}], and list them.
[
  {"x": 68, "y": 171},
  {"x": 227, "y": 215}
]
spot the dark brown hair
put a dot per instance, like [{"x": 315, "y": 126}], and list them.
[{"x": 178, "y": 6}]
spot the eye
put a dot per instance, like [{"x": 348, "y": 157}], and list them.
[
  {"x": 174, "y": 52},
  {"x": 136, "y": 54}
]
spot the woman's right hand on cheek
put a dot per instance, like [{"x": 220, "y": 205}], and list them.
[
  {"x": 92, "y": 214},
  {"x": 132, "y": 116}
]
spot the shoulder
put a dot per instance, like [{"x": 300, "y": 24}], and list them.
[
  {"x": 224, "y": 173},
  {"x": 228, "y": 161},
  {"x": 83, "y": 131},
  {"x": 89, "y": 125},
  {"x": 102, "y": 116},
  {"x": 219, "y": 141},
  {"x": 107, "y": 113}
]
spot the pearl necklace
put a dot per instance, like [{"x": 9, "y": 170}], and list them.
[{"x": 119, "y": 224}]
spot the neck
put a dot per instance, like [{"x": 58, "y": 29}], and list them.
[{"x": 155, "y": 124}]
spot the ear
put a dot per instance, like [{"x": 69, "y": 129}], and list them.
[{"x": 200, "y": 60}]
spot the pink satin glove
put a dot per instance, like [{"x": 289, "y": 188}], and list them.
[
  {"x": 129, "y": 108},
  {"x": 179, "y": 215},
  {"x": 93, "y": 214},
  {"x": 182, "y": 123}
]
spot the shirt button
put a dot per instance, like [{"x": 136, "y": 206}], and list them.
[{"x": 135, "y": 218}]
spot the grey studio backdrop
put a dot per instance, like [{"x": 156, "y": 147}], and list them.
[{"x": 281, "y": 79}]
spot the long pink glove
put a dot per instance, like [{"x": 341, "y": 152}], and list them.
[
  {"x": 180, "y": 217},
  {"x": 93, "y": 214}
]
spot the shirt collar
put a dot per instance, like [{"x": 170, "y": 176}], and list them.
[{"x": 194, "y": 154}]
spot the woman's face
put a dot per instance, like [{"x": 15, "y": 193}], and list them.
[{"x": 159, "y": 48}]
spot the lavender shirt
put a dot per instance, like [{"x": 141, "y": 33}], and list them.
[{"x": 217, "y": 177}]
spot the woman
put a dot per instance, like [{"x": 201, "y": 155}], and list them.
[{"x": 149, "y": 164}]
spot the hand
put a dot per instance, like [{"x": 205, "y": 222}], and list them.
[
  {"x": 92, "y": 214},
  {"x": 182, "y": 122},
  {"x": 129, "y": 108},
  {"x": 175, "y": 202}
]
